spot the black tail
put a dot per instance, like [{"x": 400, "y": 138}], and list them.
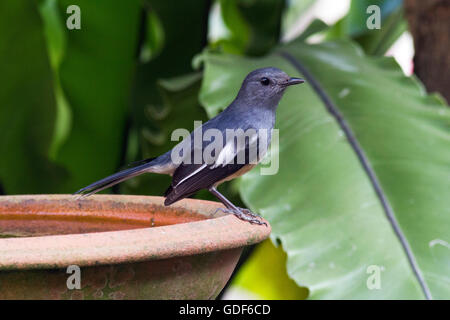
[{"x": 114, "y": 179}]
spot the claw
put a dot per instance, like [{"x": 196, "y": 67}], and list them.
[
  {"x": 243, "y": 214},
  {"x": 250, "y": 213}
]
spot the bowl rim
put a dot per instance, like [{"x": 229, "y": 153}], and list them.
[{"x": 134, "y": 245}]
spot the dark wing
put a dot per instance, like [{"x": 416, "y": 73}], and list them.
[{"x": 190, "y": 178}]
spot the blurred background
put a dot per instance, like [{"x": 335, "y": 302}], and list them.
[{"x": 87, "y": 89}]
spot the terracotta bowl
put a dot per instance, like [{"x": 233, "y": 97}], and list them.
[{"x": 126, "y": 247}]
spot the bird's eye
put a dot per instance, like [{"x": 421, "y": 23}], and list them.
[{"x": 265, "y": 81}]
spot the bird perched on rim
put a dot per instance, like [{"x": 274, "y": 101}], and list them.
[{"x": 251, "y": 115}]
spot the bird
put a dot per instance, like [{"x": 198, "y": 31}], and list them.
[{"x": 252, "y": 114}]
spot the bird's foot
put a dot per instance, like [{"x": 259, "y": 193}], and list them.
[
  {"x": 250, "y": 213},
  {"x": 244, "y": 214}
]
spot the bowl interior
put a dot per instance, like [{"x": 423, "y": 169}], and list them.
[{"x": 42, "y": 215}]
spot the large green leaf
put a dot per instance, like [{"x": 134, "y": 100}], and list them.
[
  {"x": 27, "y": 104},
  {"x": 54, "y": 31},
  {"x": 338, "y": 232},
  {"x": 96, "y": 73}
]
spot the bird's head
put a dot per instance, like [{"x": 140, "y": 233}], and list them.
[{"x": 266, "y": 84}]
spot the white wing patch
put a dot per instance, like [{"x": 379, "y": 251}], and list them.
[
  {"x": 190, "y": 175},
  {"x": 225, "y": 156},
  {"x": 229, "y": 152}
]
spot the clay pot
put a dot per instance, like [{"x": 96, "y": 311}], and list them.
[{"x": 126, "y": 247}]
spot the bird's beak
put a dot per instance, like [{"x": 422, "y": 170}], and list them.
[{"x": 293, "y": 81}]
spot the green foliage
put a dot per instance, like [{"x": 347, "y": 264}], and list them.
[
  {"x": 376, "y": 41},
  {"x": 72, "y": 113},
  {"x": 254, "y": 26},
  {"x": 321, "y": 204},
  {"x": 56, "y": 44},
  {"x": 293, "y": 12},
  {"x": 27, "y": 103},
  {"x": 96, "y": 75},
  {"x": 156, "y": 113}
]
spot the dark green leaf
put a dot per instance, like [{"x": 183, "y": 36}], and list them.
[
  {"x": 254, "y": 26},
  {"x": 27, "y": 103},
  {"x": 96, "y": 74}
]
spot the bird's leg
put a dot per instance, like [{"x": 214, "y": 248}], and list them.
[{"x": 231, "y": 208}]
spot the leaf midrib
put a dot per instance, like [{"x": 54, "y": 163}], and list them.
[{"x": 351, "y": 138}]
